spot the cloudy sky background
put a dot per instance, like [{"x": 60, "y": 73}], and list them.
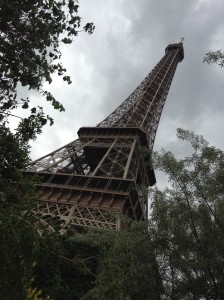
[{"x": 129, "y": 40}]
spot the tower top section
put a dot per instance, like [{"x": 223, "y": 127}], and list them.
[
  {"x": 174, "y": 47},
  {"x": 143, "y": 108}
]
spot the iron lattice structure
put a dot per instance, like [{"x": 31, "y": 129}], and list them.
[{"x": 91, "y": 181}]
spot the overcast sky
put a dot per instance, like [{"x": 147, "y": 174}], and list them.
[{"x": 129, "y": 40}]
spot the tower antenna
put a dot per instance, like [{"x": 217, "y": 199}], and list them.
[{"x": 182, "y": 39}]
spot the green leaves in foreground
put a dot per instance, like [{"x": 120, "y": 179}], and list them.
[
  {"x": 30, "y": 36},
  {"x": 187, "y": 222},
  {"x": 103, "y": 265},
  {"x": 127, "y": 266}
]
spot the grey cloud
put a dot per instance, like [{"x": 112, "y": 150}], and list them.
[{"x": 130, "y": 38}]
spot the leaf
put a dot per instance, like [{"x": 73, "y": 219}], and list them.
[
  {"x": 43, "y": 121},
  {"x": 25, "y": 105},
  {"x": 76, "y": 7},
  {"x": 68, "y": 79},
  {"x": 66, "y": 41},
  {"x": 33, "y": 110},
  {"x": 89, "y": 27},
  {"x": 51, "y": 120}
]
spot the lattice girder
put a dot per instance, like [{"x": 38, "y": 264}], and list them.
[
  {"x": 76, "y": 218},
  {"x": 106, "y": 172},
  {"x": 105, "y": 194},
  {"x": 142, "y": 108}
]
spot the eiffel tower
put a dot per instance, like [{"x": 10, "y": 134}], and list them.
[{"x": 105, "y": 173}]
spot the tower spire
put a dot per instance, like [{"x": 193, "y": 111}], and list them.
[{"x": 94, "y": 179}]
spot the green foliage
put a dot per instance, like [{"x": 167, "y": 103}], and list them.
[
  {"x": 13, "y": 154},
  {"x": 127, "y": 266},
  {"x": 216, "y": 57},
  {"x": 20, "y": 224},
  {"x": 17, "y": 233},
  {"x": 147, "y": 158},
  {"x": 65, "y": 267},
  {"x": 187, "y": 222},
  {"x": 99, "y": 265},
  {"x": 30, "y": 35}
]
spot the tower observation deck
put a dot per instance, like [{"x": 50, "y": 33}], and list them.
[{"x": 106, "y": 172}]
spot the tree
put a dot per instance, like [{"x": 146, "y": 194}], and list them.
[
  {"x": 18, "y": 236},
  {"x": 187, "y": 222},
  {"x": 30, "y": 36}
]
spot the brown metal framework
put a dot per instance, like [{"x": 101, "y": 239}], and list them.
[{"x": 91, "y": 181}]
